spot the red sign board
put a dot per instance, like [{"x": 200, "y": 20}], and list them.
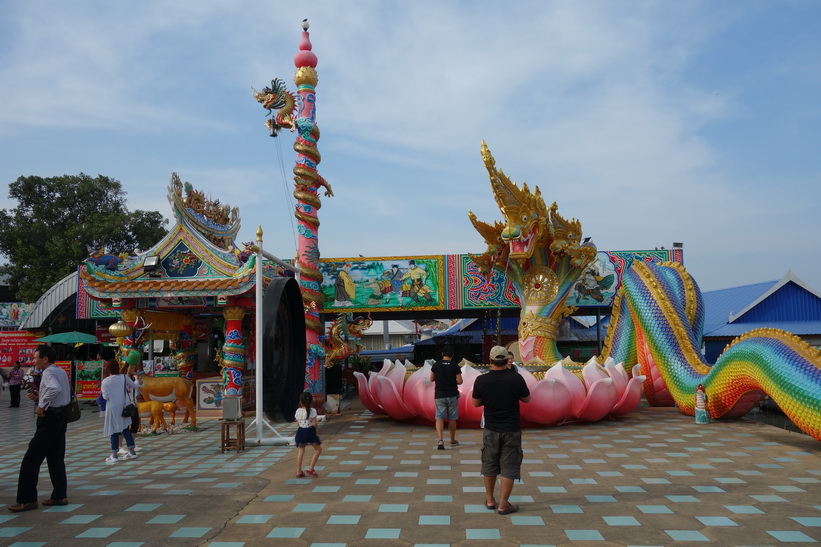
[
  {"x": 88, "y": 379},
  {"x": 18, "y": 346},
  {"x": 102, "y": 334}
]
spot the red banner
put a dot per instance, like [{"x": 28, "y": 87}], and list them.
[{"x": 18, "y": 346}]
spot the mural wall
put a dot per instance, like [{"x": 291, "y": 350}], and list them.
[
  {"x": 440, "y": 282},
  {"x": 453, "y": 282},
  {"x": 383, "y": 284}
]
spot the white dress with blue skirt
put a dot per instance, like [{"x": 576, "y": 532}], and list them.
[{"x": 306, "y": 434}]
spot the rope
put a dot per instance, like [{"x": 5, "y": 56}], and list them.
[{"x": 289, "y": 198}]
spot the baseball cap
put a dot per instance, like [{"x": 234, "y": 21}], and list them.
[{"x": 498, "y": 353}]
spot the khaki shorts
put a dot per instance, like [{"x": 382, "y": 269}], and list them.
[{"x": 502, "y": 454}]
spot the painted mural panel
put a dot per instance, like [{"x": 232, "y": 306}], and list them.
[
  {"x": 209, "y": 393},
  {"x": 421, "y": 283},
  {"x": 383, "y": 283},
  {"x": 12, "y": 314},
  {"x": 602, "y": 279},
  {"x": 477, "y": 291},
  {"x": 182, "y": 262}
]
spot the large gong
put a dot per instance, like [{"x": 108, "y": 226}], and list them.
[{"x": 283, "y": 348}]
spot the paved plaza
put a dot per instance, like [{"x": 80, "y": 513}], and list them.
[{"x": 650, "y": 478}]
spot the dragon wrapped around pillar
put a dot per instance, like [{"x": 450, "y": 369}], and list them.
[
  {"x": 540, "y": 252},
  {"x": 232, "y": 353},
  {"x": 297, "y": 112}
]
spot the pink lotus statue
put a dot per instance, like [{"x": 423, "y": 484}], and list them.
[{"x": 605, "y": 391}]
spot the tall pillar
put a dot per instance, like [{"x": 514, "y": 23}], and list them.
[
  {"x": 307, "y": 181},
  {"x": 232, "y": 355},
  {"x": 297, "y": 111}
]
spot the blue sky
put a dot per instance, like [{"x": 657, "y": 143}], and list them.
[{"x": 651, "y": 122}]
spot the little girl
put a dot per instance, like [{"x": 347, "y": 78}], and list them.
[
  {"x": 306, "y": 434},
  {"x": 702, "y": 415}
]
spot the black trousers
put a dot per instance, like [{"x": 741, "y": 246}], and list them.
[
  {"x": 14, "y": 391},
  {"x": 48, "y": 443}
]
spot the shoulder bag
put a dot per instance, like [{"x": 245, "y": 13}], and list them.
[
  {"x": 129, "y": 410},
  {"x": 72, "y": 410}
]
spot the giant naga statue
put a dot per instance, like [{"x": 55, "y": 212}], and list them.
[
  {"x": 656, "y": 325},
  {"x": 540, "y": 252}
]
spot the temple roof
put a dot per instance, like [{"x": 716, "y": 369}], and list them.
[
  {"x": 198, "y": 256},
  {"x": 163, "y": 287}
]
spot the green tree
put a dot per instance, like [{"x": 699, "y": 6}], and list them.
[{"x": 57, "y": 220}]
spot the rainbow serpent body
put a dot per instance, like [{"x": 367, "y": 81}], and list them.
[{"x": 657, "y": 321}]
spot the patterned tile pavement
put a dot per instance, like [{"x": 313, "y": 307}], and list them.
[{"x": 650, "y": 478}]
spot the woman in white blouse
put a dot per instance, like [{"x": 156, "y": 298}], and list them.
[{"x": 117, "y": 390}]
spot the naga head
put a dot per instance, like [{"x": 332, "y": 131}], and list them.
[
  {"x": 526, "y": 217},
  {"x": 497, "y": 250},
  {"x": 529, "y": 225}
]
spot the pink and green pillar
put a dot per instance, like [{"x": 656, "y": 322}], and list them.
[
  {"x": 308, "y": 181},
  {"x": 297, "y": 111}
]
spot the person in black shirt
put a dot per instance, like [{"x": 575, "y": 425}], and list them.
[
  {"x": 500, "y": 391},
  {"x": 448, "y": 377}
]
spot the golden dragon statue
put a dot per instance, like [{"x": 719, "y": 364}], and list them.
[
  {"x": 542, "y": 254},
  {"x": 344, "y": 335}
]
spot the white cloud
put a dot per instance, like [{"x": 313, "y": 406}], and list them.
[{"x": 607, "y": 110}]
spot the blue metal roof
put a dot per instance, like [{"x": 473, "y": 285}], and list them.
[
  {"x": 718, "y": 305},
  {"x": 799, "y": 328},
  {"x": 788, "y": 304}
]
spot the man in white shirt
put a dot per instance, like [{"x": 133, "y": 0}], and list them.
[{"x": 49, "y": 441}]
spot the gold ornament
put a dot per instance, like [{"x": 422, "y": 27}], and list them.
[
  {"x": 536, "y": 325},
  {"x": 233, "y": 313},
  {"x": 541, "y": 286},
  {"x": 120, "y": 329},
  {"x": 306, "y": 75}
]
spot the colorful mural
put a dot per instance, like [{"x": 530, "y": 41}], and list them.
[
  {"x": 12, "y": 314},
  {"x": 454, "y": 282},
  {"x": 602, "y": 279},
  {"x": 383, "y": 283}
]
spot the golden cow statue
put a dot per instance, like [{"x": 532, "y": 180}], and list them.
[{"x": 170, "y": 388}]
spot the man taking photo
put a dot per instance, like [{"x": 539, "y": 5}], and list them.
[{"x": 500, "y": 391}]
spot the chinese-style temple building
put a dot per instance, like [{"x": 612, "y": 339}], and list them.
[{"x": 195, "y": 290}]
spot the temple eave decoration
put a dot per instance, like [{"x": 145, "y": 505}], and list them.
[{"x": 135, "y": 287}]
